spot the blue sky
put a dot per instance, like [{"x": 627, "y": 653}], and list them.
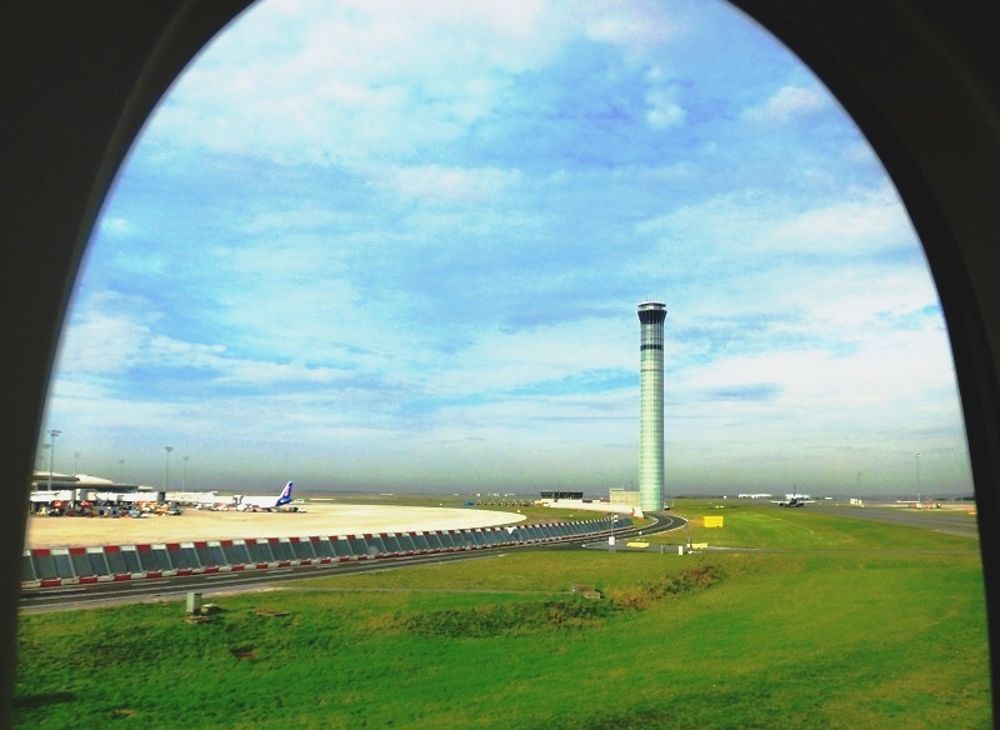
[{"x": 398, "y": 246}]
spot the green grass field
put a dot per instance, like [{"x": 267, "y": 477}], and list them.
[{"x": 846, "y": 624}]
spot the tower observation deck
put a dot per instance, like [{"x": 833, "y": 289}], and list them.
[{"x": 651, "y": 318}]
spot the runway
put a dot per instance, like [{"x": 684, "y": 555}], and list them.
[
  {"x": 950, "y": 522},
  {"x": 105, "y": 594}
]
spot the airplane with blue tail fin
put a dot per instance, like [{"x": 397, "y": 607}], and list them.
[{"x": 267, "y": 504}]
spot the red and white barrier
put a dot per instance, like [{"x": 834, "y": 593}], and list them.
[{"x": 52, "y": 567}]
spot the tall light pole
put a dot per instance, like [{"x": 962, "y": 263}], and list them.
[
  {"x": 184, "y": 475},
  {"x": 76, "y": 462},
  {"x": 166, "y": 467},
  {"x": 121, "y": 470},
  {"x": 918, "y": 476},
  {"x": 52, "y": 452}
]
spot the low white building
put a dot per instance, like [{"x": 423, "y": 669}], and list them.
[
  {"x": 617, "y": 495},
  {"x": 592, "y": 506},
  {"x": 203, "y": 498}
]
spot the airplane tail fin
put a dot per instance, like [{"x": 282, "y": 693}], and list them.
[{"x": 286, "y": 494}]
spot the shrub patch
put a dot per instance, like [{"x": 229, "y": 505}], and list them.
[{"x": 572, "y": 613}]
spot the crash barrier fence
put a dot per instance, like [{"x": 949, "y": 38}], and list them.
[{"x": 51, "y": 567}]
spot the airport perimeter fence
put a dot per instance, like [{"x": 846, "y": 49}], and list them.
[{"x": 51, "y": 567}]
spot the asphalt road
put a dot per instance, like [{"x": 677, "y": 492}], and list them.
[
  {"x": 137, "y": 591},
  {"x": 952, "y": 522}
]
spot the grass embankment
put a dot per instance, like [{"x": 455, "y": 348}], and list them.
[{"x": 807, "y": 638}]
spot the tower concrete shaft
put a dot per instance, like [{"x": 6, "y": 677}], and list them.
[{"x": 651, "y": 317}]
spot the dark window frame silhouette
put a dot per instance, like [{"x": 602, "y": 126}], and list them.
[{"x": 920, "y": 78}]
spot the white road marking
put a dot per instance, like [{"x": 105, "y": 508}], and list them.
[{"x": 54, "y": 591}]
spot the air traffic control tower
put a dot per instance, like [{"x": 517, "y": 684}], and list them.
[{"x": 651, "y": 317}]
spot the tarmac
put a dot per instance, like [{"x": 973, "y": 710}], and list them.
[
  {"x": 317, "y": 519},
  {"x": 949, "y": 521}
]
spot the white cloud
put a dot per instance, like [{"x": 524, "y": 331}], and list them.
[
  {"x": 847, "y": 303},
  {"x": 861, "y": 153},
  {"x": 97, "y": 339},
  {"x": 867, "y": 223},
  {"x": 104, "y": 344},
  {"x": 436, "y": 183},
  {"x": 575, "y": 421},
  {"x": 787, "y": 103},
  {"x": 356, "y": 82},
  {"x": 663, "y": 111},
  {"x": 856, "y": 409},
  {"x": 884, "y": 373},
  {"x": 115, "y": 226},
  {"x": 861, "y": 222},
  {"x": 499, "y": 360},
  {"x": 295, "y": 219},
  {"x": 290, "y": 261},
  {"x": 637, "y": 26}
]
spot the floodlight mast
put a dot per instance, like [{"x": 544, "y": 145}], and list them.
[
  {"x": 166, "y": 467},
  {"x": 52, "y": 452},
  {"x": 651, "y": 462}
]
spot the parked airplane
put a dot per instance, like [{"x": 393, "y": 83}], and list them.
[{"x": 267, "y": 504}]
